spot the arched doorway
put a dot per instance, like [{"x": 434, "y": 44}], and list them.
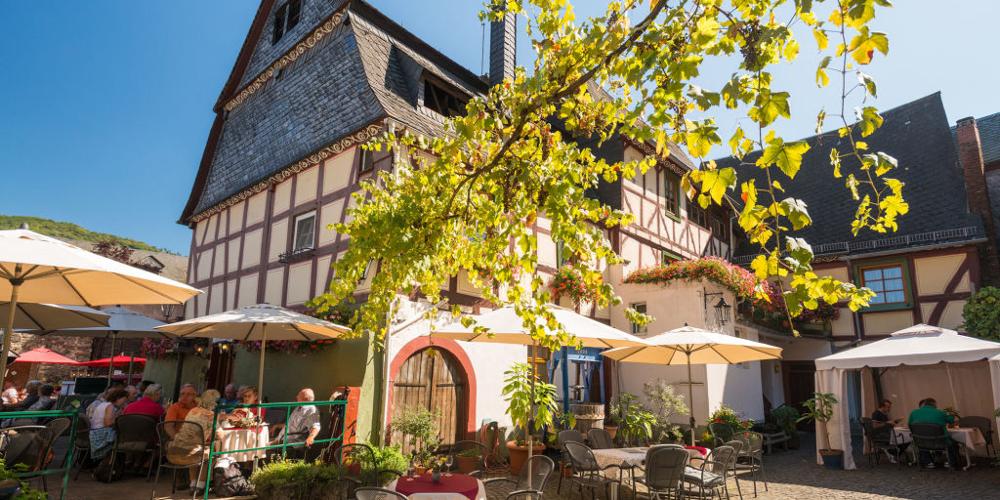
[{"x": 433, "y": 379}]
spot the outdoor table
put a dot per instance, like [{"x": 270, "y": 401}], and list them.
[
  {"x": 630, "y": 458},
  {"x": 971, "y": 437},
  {"x": 450, "y": 487},
  {"x": 235, "y": 438}
]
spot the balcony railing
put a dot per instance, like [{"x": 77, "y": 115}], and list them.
[
  {"x": 296, "y": 255},
  {"x": 850, "y": 247}
]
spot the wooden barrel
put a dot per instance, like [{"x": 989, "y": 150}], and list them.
[{"x": 588, "y": 416}]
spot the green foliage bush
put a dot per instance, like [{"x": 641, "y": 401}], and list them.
[
  {"x": 981, "y": 314},
  {"x": 294, "y": 479},
  {"x": 383, "y": 460},
  {"x": 419, "y": 425}
]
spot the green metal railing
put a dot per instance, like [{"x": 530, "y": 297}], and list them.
[
  {"x": 284, "y": 445},
  {"x": 67, "y": 464}
]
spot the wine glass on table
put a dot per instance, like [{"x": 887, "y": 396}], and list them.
[{"x": 449, "y": 461}]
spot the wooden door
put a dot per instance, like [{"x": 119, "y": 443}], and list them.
[
  {"x": 220, "y": 367},
  {"x": 800, "y": 384},
  {"x": 433, "y": 380}
]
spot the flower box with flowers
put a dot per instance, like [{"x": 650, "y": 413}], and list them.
[{"x": 568, "y": 281}]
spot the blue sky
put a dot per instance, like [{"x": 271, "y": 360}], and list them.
[{"x": 106, "y": 104}]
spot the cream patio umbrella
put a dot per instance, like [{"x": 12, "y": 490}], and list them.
[
  {"x": 688, "y": 345},
  {"x": 504, "y": 326},
  {"x": 122, "y": 324},
  {"x": 28, "y": 316},
  {"x": 39, "y": 269},
  {"x": 261, "y": 322}
]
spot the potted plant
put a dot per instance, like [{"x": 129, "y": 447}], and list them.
[
  {"x": 531, "y": 405},
  {"x": 297, "y": 480},
  {"x": 785, "y": 417},
  {"x": 819, "y": 408},
  {"x": 419, "y": 425},
  {"x": 665, "y": 403},
  {"x": 635, "y": 422},
  {"x": 468, "y": 460},
  {"x": 388, "y": 462}
]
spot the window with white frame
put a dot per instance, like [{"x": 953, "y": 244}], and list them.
[{"x": 305, "y": 231}]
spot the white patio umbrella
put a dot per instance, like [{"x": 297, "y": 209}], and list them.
[
  {"x": 29, "y": 316},
  {"x": 261, "y": 322},
  {"x": 694, "y": 346},
  {"x": 39, "y": 269},
  {"x": 504, "y": 326},
  {"x": 122, "y": 324}
]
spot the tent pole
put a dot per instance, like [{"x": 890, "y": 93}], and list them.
[{"x": 15, "y": 284}]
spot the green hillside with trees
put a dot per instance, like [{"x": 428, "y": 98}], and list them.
[{"x": 70, "y": 231}]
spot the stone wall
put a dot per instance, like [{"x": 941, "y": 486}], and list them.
[{"x": 77, "y": 348}]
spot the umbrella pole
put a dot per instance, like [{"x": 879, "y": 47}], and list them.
[
  {"x": 131, "y": 360},
  {"x": 9, "y": 328},
  {"x": 691, "y": 397},
  {"x": 260, "y": 372},
  {"x": 111, "y": 364},
  {"x": 531, "y": 418}
]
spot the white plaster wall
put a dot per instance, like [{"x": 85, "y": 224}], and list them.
[
  {"x": 738, "y": 386},
  {"x": 771, "y": 382}
]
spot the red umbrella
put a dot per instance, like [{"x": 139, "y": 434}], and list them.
[
  {"x": 43, "y": 355},
  {"x": 117, "y": 361}
]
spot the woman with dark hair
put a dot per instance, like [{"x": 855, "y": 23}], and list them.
[{"x": 102, "y": 431}]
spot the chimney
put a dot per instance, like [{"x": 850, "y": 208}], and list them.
[
  {"x": 503, "y": 48},
  {"x": 970, "y": 156}
]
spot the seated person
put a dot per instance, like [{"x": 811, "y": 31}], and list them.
[
  {"x": 248, "y": 396},
  {"x": 10, "y": 394},
  {"x": 303, "y": 423},
  {"x": 186, "y": 401},
  {"x": 188, "y": 446},
  {"x": 31, "y": 396},
  {"x": 148, "y": 404},
  {"x": 930, "y": 414},
  {"x": 230, "y": 396},
  {"x": 882, "y": 426}
]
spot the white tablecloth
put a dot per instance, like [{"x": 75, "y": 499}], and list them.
[
  {"x": 630, "y": 456},
  {"x": 481, "y": 495},
  {"x": 969, "y": 436},
  {"x": 241, "y": 439}
]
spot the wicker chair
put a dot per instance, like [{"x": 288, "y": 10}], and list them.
[
  {"x": 369, "y": 493},
  {"x": 587, "y": 473},
  {"x": 879, "y": 441},
  {"x": 135, "y": 435},
  {"x": 713, "y": 474},
  {"x": 600, "y": 439},
  {"x": 525, "y": 486},
  {"x": 566, "y": 436},
  {"x": 985, "y": 426},
  {"x": 81, "y": 443},
  {"x": 934, "y": 439},
  {"x": 737, "y": 445},
  {"x": 163, "y": 460},
  {"x": 665, "y": 466},
  {"x": 751, "y": 457}
]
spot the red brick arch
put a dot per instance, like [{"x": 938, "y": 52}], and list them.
[{"x": 451, "y": 347}]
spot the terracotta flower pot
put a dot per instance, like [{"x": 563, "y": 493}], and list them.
[
  {"x": 612, "y": 430},
  {"x": 467, "y": 464},
  {"x": 519, "y": 454},
  {"x": 419, "y": 470}
]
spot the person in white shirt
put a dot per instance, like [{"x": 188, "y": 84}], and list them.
[{"x": 9, "y": 395}]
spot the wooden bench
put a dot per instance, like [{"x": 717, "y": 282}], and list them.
[{"x": 773, "y": 438}]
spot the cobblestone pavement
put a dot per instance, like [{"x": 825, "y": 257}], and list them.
[{"x": 791, "y": 475}]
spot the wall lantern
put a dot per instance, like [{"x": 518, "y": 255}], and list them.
[{"x": 721, "y": 307}]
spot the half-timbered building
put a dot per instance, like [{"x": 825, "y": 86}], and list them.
[{"x": 314, "y": 80}]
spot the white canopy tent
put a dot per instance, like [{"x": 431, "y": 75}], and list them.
[{"x": 948, "y": 361}]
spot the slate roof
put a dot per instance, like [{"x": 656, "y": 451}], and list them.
[
  {"x": 367, "y": 69},
  {"x": 918, "y": 136},
  {"x": 989, "y": 136}
]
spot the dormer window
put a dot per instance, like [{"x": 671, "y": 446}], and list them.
[
  {"x": 441, "y": 101},
  {"x": 285, "y": 18}
]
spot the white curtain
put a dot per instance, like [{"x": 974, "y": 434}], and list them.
[
  {"x": 838, "y": 428},
  {"x": 995, "y": 379}
]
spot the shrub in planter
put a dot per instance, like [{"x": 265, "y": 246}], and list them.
[
  {"x": 298, "y": 480},
  {"x": 419, "y": 426},
  {"x": 785, "y": 417},
  {"x": 468, "y": 460},
  {"x": 382, "y": 459},
  {"x": 529, "y": 400}
]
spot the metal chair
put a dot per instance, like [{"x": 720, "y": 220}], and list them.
[
  {"x": 587, "y": 473},
  {"x": 135, "y": 435},
  {"x": 751, "y": 457},
  {"x": 985, "y": 426},
  {"x": 600, "y": 439},
  {"x": 664, "y": 471},
  {"x": 81, "y": 443},
  {"x": 566, "y": 436},
  {"x": 721, "y": 433},
  {"x": 369, "y": 493},
  {"x": 56, "y": 427},
  {"x": 879, "y": 440},
  {"x": 713, "y": 474},
  {"x": 534, "y": 485},
  {"x": 737, "y": 445},
  {"x": 166, "y": 442},
  {"x": 934, "y": 439}
]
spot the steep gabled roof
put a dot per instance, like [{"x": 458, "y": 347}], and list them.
[
  {"x": 989, "y": 136},
  {"x": 918, "y": 136},
  {"x": 346, "y": 66}
]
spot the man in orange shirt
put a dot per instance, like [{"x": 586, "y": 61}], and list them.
[{"x": 180, "y": 409}]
